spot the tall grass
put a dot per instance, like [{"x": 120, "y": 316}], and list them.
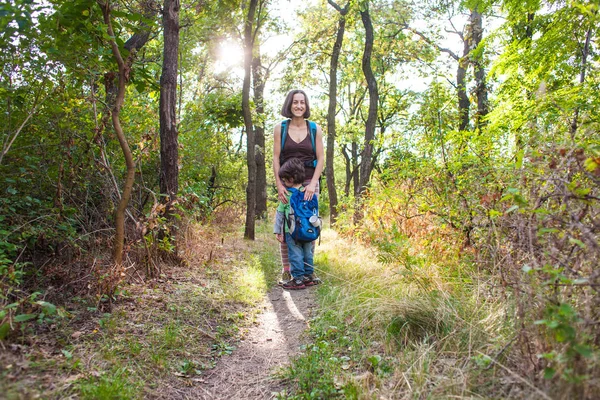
[{"x": 414, "y": 325}]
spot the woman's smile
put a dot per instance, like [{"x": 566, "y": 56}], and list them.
[{"x": 298, "y": 105}]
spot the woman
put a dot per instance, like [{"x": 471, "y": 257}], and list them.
[{"x": 298, "y": 144}]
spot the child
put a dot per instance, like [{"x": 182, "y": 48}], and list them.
[{"x": 300, "y": 253}]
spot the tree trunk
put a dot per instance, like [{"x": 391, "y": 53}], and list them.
[
  {"x": 124, "y": 69},
  {"x": 355, "y": 168},
  {"x": 249, "y": 231},
  {"x": 582, "y": 72},
  {"x": 365, "y": 163},
  {"x": 348, "y": 171},
  {"x": 259, "y": 133},
  {"x": 478, "y": 67},
  {"x": 331, "y": 113},
  {"x": 461, "y": 85},
  {"x": 169, "y": 151}
]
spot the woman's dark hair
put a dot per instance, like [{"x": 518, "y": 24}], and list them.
[
  {"x": 293, "y": 169},
  {"x": 286, "y": 110}
]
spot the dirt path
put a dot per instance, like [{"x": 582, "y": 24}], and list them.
[{"x": 277, "y": 335}]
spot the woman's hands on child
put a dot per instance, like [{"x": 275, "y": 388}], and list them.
[
  {"x": 309, "y": 191},
  {"x": 282, "y": 194}
]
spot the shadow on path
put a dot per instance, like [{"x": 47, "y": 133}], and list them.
[{"x": 269, "y": 344}]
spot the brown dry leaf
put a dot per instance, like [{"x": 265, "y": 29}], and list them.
[
  {"x": 76, "y": 334},
  {"x": 73, "y": 378}
]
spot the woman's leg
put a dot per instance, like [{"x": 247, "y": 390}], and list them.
[{"x": 285, "y": 258}]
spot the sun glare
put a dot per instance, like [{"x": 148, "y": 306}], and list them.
[{"x": 229, "y": 55}]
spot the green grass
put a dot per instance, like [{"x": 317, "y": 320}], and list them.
[
  {"x": 113, "y": 385},
  {"x": 387, "y": 331}
]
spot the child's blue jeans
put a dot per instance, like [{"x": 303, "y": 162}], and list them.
[{"x": 301, "y": 257}]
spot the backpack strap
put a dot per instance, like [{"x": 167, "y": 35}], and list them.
[
  {"x": 312, "y": 129},
  {"x": 284, "y": 130}
]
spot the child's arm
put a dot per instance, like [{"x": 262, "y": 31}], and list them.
[{"x": 278, "y": 226}]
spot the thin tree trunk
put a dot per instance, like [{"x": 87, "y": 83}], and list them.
[
  {"x": 124, "y": 69},
  {"x": 348, "y": 171},
  {"x": 169, "y": 145},
  {"x": 461, "y": 85},
  {"x": 584, "y": 55},
  {"x": 365, "y": 163},
  {"x": 249, "y": 231},
  {"x": 355, "y": 168},
  {"x": 478, "y": 67},
  {"x": 259, "y": 132},
  {"x": 331, "y": 112}
]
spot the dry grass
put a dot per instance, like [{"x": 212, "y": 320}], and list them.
[
  {"x": 417, "y": 330},
  {"x": 160, "y": 333}
]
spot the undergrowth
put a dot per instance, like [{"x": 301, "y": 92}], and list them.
[
  {"x": 397, "y": 331},
  {"x": 160, "y": 334}
]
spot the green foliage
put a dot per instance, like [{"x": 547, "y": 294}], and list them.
[
  {"x": 112, "y": 385},
  {"x": 212, "y": 156}
]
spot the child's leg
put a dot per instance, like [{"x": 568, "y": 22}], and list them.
[
  {"x": 307, "y": 250},
  {"x": 296, "y": 255}
]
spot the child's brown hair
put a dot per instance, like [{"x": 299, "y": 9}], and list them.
[{"x": 293, "y": 170}]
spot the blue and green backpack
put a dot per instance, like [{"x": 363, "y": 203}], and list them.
[{"x": 298, "y": 222}]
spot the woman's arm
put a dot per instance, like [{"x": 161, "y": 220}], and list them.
[
  {"x": 281, "y": 190},
  {"x": 309, "y": 191}
]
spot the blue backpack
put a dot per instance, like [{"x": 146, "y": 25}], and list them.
[
  {"x": 312, "y": 130},
  {"x": 298, "y": 221}
]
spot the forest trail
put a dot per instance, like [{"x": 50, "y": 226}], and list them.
[{"x": 276, "y": 336}]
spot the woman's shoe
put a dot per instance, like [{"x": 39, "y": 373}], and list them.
[{"x": 285, "y": 277}]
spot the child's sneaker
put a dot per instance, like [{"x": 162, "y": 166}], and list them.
[
  {"x": 311, "y": 280},
  {"x": 294, "y": 284},
  {"x": 285, "y": 277}
]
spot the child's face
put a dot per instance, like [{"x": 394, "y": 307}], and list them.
[{"x": 288, "y": 182}]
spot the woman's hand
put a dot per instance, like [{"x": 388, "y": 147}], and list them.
[
  {"x": 279, "y": 237},
  {"x": 309, "y": 191},
  {"x": 282, "y": 194}
]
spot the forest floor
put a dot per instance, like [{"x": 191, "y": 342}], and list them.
[{"x": 216, "y": 328}]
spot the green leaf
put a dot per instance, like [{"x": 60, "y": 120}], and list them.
[
  {"x": 25, "y": 317},
  {"x": 4, "y": 330},
  {"x": 68, "y": 355},
  {"x": 584, "y": 350},
  {"x": 513, "y": 208},
  {"x": 519, "y": 162},
  {"x": 549, "y": 373},
  {"x": 577, "y": 242},
  {"x": 548, "y": 230},
  {"x": 590, "y": 164},
  {"x": 48, "y": 308}
]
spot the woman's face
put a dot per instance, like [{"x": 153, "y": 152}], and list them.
[{"x": 298, "y": 105}]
